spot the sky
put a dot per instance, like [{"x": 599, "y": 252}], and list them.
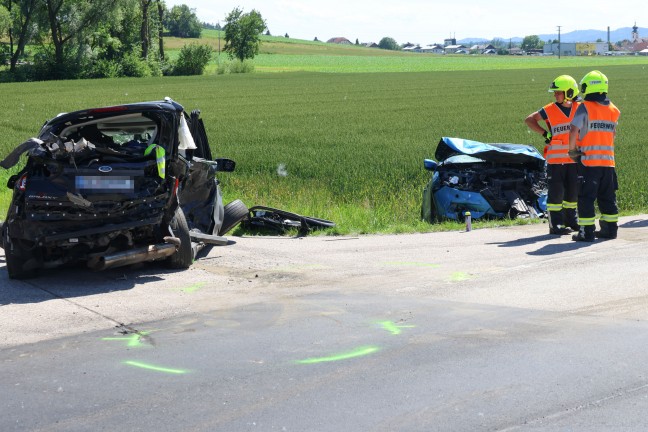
[{"x": 426, "y": 21}]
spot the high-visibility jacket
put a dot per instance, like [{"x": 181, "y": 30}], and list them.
[
  {"x": 597, "y": 143},
  {"x": 556, "y": 151}
]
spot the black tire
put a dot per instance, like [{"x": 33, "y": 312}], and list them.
[
  {"x": 235, "y": 212},
  {"x": 15, "y": 264},
  {"x": 183, "y": 258}
]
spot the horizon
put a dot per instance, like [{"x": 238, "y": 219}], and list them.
[{"x": 418, "y": 21}]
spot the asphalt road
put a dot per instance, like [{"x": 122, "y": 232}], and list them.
[{"x": 500, "y": 329}]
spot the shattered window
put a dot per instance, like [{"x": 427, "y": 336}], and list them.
[{"x": 125, "y": 130}]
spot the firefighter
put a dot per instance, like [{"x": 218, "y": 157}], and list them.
[
  {"x": 591, "y": 142},
  {"x": 561, "y": 169}
]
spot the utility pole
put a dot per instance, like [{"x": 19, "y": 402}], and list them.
[{"x": 559, "y": 42}]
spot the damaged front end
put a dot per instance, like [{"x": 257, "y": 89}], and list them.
[{"x": 488, "y": 180}]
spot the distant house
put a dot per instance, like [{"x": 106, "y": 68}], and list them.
[
  {"x": 412, "y": 48},
  {"x": 453, "y": 49},
  {"x": 340, "y": 40},
  {"x": 483, "y": 49},
  {"x": 516, "y": 51},
  {"x": 433, "y": 48},
  {"x": 371, "y": 45}
]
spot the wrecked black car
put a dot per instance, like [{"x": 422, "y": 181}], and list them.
[
  {"x": 116, "y": 186},
  {"x": 488, "y": 180}
]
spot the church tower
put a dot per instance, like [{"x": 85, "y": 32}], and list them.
[{"x": 635, "y": 33}]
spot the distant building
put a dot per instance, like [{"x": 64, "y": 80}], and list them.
[
  {"x": 451, "y": 41},
  {"x": 370, "y": 45},
  {"x": 340, "y": 40},
  {"x": 433, "y": 48},
  {"x": 483, "y": 49},
  {"x": 412, "y": 48},
  {"x": 576, "y": 48},
  {"x": 637, "y": 43},
  {"x": 456, "y": 49}
]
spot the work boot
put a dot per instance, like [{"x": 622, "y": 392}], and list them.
[
  {"x": 571, "y": 219},
  {"x": 559, "y": 230},
  {"x": 608, "y": 230},
  {"x": 556, "y": 226},
  {"x": 586, "y": 234}
]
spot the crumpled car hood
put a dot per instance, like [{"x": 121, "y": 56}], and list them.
[{"x": 494, "y": 152}]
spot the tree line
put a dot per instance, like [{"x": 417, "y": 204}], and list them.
[{"x": 67, "y": 39}]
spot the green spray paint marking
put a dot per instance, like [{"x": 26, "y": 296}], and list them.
[
  {"x": 413, "y": 264},
  {"x": 194, "y": 287},
  {"x": 393, "y": 328},
  {"x": 459, "y": 276},
  {"x": 155, "y": 368},
  {"x": 362, "y": 351},
  {"x": 134, "y": 340}
]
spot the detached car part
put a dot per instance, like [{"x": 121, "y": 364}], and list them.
[
  {"x": 115, "y": 186},
  {"x": 273, "y": 219},
  {"x": 488, "y": 180}
]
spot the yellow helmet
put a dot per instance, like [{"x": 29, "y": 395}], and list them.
[
  {"x": 567, "y": 84},
  {"x": 594, "y": 82}
]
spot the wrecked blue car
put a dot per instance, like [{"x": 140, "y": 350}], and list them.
[{"x": 488, "y": 180}]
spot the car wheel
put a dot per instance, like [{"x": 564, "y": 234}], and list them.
[
  {"x": 183, "y": 258},
  {"x": 15, "y": 263},
  {"x": 235, "y": 212}
]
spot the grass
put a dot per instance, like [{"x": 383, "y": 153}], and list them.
[{"x": 349, "y": 147}]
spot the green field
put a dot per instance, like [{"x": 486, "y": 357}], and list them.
[{"x": 351, "y": 144}]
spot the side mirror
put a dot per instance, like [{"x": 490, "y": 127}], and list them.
[
  {"x": 429, "y": 164},
  {"x": 225, "y": 165}
]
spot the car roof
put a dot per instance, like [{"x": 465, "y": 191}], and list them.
[{"x": 107, "y": 111}]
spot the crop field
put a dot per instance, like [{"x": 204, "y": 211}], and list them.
[{"x": 349, "y": 147}]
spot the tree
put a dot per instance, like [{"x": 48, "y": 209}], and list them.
[
  {"x": 286, "y": 35},
  {"x": 357, "y": 42},
  {"x": 70, "y": 22},
  {"x": 388, "y": 44},
  {"x": 531, "y": 42},
  {"x": 5, "y": 21},
  {"x": 161, "y": 11},
  {"x": 23, "y": 14},
  {"x": 183, "y": 22},
  {"x": 242, "y": 31},
  {"x": 192, "y": 59},
  {"x": 267, "y": 33},
  {"x": 145, "y": 38}
]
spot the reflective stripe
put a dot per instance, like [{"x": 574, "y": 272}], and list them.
[
  {"x": 601, "y": 126},
  {"x": 569, "y": 205},
  {"x": 563, "y": 128},
  {"x": 586, "y": 221},
  {"x": 597, "y": 157},
  {"x": 553, "y": 146},
  {"x": 554, "y": 207},
  {"x": 610, "y": 218},
  {"x": 597, "y": 147},
  {"x": 159, "y": 158}
]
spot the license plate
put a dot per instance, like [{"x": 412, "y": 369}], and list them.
[{"x": 105, "y": 184}]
